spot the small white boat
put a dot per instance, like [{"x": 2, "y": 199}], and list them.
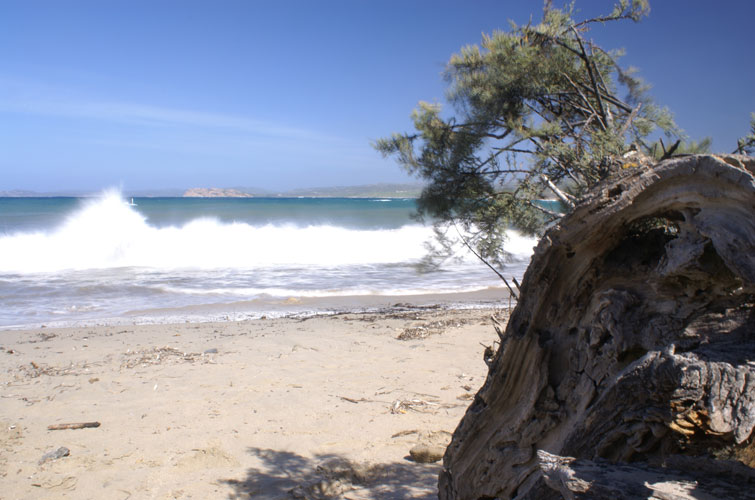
[{"x": 132, "y": 204}]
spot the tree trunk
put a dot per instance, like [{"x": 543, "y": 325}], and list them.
[{"x": 633, "y": 340}]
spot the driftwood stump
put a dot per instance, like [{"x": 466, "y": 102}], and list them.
[{"x": 633, "y": 343}]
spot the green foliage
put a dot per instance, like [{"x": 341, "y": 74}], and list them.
[
  {"x": 537, "y": 114},
  {"x": 746, "y": 144}
]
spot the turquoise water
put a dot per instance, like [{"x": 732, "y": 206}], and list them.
[
  {"x": 24, "y": 214},
  {"x": 71, "y": 261}
]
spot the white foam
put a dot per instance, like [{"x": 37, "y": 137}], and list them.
[
  {"x": 520, "y": 247},
  {"x": 322, "y": 293},
  {"x": 106, "y": 232}
]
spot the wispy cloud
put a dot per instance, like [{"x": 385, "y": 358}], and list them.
[{"x": 40, "y": 100}]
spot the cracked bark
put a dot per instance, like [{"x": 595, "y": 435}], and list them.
[{"x": 633, "y": 341}]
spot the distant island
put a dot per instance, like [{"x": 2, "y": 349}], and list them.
[
  {"x": 383, "y": 190},
  {"x": 380, "y": 190},
  {"x": 215, "y": 193}
]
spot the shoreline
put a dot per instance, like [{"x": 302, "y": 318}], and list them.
[
  {"x": 295, "y": 307},
  {"x": 236, "y": 409}
]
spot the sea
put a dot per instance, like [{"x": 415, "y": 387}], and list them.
[{"x": 109, "y": 259}]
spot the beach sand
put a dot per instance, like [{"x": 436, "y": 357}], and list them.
[{"x": 327, "y": 406}]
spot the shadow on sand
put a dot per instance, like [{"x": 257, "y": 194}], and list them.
[{"x": 286, "y": 475}]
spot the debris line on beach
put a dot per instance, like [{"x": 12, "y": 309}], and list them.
[{"x": 158, "y": 355}]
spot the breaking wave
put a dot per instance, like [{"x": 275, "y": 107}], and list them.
[{"x": 106, "y": 232}]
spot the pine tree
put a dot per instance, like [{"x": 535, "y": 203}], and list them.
[{"x": 537, "y": 114}]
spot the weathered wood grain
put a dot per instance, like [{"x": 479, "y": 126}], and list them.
[{"x": 633, "y": 339}]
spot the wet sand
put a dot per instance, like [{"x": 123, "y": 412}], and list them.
[{"x": 327, "y": 406}]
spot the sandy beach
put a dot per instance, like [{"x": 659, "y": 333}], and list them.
[{"x": 326, "y": 406}]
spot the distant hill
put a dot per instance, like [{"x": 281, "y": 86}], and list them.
[
  {"x": 383, "y": 190},
  {"x": 154, "y": 193},
  {"x": 215, "y": 193}
]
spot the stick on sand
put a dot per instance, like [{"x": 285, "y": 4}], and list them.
[{"x": 78, "y": 425}]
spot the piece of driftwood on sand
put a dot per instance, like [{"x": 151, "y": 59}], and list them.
[
  {"x": 632, "y": 347},
  {"x": 74, "y": 425}
]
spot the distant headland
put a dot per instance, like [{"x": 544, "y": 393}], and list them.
[
  {"x": 380, "y": 190},
  {"x": 215, "y": 193},
  {"x": 366, "y": 191}
]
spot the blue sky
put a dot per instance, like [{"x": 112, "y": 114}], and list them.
[{"x": 278, "y": 95}]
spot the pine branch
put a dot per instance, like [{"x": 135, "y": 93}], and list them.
[
  {"x": 743, "y": 145},
  {"x": 668, "y": 154},
  {"x": 514, "y": 150},
  {"x": 574, "y": 178},
  {"x": 602, "y": 19},
  {"x": 555, "y": 215},
  {"x": 466, "y": 243},
  {"x": 561, "y": 195},
  {"x": 591, "y": 74},
  {"x": 509, "y": 171},
  {"x": 628, "y": 122},
  {"x": 616, "y": 102},
  {"x": 584, "y": 99}
]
